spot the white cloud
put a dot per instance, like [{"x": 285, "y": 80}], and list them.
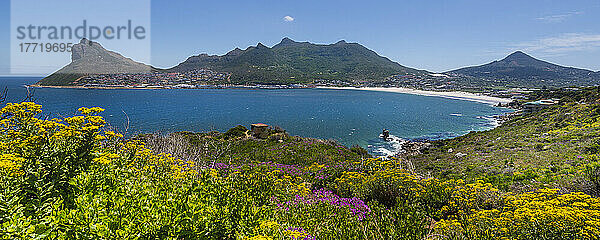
[
  {"x": 558, "y": 17},
  {"x": 288, "y": 19},
  {"x": 568, "y": 42}
]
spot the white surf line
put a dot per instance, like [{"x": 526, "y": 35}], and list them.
[{"x": 450, "y": 95}]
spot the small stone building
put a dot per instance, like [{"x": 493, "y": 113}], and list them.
[{"x": 259, "y": 130}]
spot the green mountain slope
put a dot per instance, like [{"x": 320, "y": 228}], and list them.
[
  {"x": 550, "y": 148},
  {"x": 292, "y": 62}
]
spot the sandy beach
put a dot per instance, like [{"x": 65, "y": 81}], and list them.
[{"x": 452, "y": 95}]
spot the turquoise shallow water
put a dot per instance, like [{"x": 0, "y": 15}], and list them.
[{"x": 348, "y": 116}]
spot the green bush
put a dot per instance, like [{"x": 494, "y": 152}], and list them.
[{"x": 236, "y": 132}]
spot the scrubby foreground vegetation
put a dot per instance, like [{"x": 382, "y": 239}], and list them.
[{"x": 72, "y": 179}]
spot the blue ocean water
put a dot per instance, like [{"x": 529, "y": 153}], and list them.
[{"x": 348, "y": 116}]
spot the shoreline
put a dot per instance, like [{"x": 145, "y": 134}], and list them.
[
  {"x": 457, "y": 95},
  {"x": 450, "y": 95},
  {"x": 83, "y": 87},
  {"x": 164, "y": 88}
]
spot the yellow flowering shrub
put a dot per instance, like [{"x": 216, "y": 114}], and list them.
[
  {"x": 10, "y": 164},
  {"x": 39, "y": 158},
  {"x": 260, "y": 237},
  {"x": 30, "y": 145},
  {"x": 543, "y": 214},
  {"x": 268, "y": 229},
  {"x": 468, "y": 198},
  {"x": 70, "y": 179}
]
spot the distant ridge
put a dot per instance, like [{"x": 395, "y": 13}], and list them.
[
  {"x": 521, "y": 70},
  {"x": 293, "y": 62}
]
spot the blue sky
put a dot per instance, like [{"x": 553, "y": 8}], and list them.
[{"x": 430, "y": 35}]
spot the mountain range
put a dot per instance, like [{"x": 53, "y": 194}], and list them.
[
  {"x": 304, "y": 62},
  {"x": 299, "y": 62}
]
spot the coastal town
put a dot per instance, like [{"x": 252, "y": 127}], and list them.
[
  {"x": 195, "y": 79},
  {"x": 429, "y": 84},
  {"x": 206, "y": 78}
]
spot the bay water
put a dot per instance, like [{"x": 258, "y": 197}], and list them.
[{"x": 348, "y": 116}]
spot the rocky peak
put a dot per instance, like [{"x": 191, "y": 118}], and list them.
[
  {"x": 234, "y": 52},
  {"x": 89, "y": 57},
  {"x": 286, "y": 41},
  {"x": 261, "y": 46},
  {"x": 518, "y": 56},
  {"x": 86, "y": 48}
]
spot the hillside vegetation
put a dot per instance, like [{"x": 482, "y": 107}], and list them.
[
  {"x": 556, "y": 147},
  {"x": 553, "y": 148},
  {"x": 73, "y": 179}
]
